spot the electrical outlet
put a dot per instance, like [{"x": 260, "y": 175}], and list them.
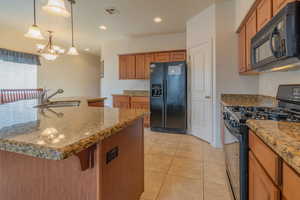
[{"x": 112, "y": 154}]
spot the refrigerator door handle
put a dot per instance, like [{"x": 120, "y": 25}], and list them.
[{"x": 165, "y": 102}]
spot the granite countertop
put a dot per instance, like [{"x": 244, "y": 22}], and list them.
[
  {"x": 248, "y": 100},
  {"x": 134, "y": 93},
  {"x": 282, "y": 137},
  {"x": 57, "y": 133}
]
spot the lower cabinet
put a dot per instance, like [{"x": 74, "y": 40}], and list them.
[
  {"x": 134, "y": 102},
  {"x": 270, "y": 178},
  {"x": 261, "y": 186}
]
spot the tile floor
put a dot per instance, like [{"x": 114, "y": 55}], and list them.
[{"x": 181, "y": 167}]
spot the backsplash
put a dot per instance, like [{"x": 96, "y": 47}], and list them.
[{"x": 269, "y": 82}]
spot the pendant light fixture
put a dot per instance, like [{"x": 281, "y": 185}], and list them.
[
  {"x": 34, "y": 32},
  {"x": 72, "y": 51},
  {"x": 57, "y": 7},
  {"x": 50, "y": 51}
]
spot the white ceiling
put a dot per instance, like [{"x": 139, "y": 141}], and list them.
[{"x": 135, "y": 19}]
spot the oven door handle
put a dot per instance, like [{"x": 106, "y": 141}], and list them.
[
  {"x": 234, "y": 132},
  {"x": 274, "y": 52}
]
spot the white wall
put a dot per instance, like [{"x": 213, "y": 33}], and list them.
[
  {"x": 226, "y": 79},
  {"x": 110, "y": 51},
  {"x": 241, "y": 9},
  {"x": 77, "y": 75}
]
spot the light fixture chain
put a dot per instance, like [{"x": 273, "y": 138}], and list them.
[{"x": 34, "y": 11}]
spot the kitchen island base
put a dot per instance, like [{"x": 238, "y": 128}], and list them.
[{"x": 115, "y": 171}]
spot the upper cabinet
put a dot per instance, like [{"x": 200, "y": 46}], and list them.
[
  {"x": 137, "y": 66},
  {"x": 250, "y": 32},
  {"x": 264, "y": 13},
  {"x": 279, "y": 4},
  {"x": 258, "y": 16},
  {"x": 242, "y": 50},
  {"x": 163, "y": 57},
  {"x": 127, "y": 67}
]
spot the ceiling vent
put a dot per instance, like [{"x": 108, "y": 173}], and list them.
[{"x": 112, "y": 11}]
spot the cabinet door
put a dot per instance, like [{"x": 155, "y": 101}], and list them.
[
  {"x": 250, "y": 32},
  {"x": 149, "y": 58},
  {"x": 122, "y": 67},
  {"x": 242, "y": 50},
  {"x": 178, "y": 56},
  {"x": 130, "y": 66},
  {"x": 162, "y": 57},
  {"x": 291, "y": 183},
  {"x": 140, "y": 66},
  {"x": 279, "y": 4},
  {"x": 260, "y": 185},
  {"x": 121, "y": 101},
  {"x": 264, "y": 13}
]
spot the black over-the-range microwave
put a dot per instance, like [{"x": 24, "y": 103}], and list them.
[{"x": 277, "y": 45}]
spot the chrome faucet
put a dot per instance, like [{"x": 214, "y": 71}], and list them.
[{"x": 44, "y": 98}]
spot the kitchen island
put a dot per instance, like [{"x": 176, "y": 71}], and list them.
[{"x": 70, "y": 153}]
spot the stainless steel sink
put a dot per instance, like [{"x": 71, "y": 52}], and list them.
[{"x": 54, "y": 104}]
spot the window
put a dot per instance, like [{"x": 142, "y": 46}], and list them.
[{"x": 17, "y": 76}]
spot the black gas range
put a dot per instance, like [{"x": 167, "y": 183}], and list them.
[{"x": 235, "y": 138}]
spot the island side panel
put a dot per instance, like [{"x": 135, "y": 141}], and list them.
[
  {"x": 123, "y": 177},
  {"x": 29, "y": 178}
]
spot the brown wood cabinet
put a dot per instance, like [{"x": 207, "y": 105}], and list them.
[
  {"x": 269, "y": 177},
  {"x": 264, "y": 13},
  {"x": 127, "y": 67},
  {"x": 260, "y": 185},
  {"x": 121, "y": 101},
  {"x": 250, "y": 32},
  {"x": 163, "y": 57},
  {"x": 291, "y": 184},
  {"x": 258, "y": 16},
  {"x": 279, "y": 4},
  {"x": 134, "y": 102},
  {"x": 242, "y": 50},
  {"x": 178, "y": 56},
  {"x": 137, "y": 66},
  {"x": 140, "y": 66}
]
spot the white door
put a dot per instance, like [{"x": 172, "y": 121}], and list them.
[{"x": 201, "y": 88}]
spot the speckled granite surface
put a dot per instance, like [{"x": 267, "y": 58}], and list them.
[
  {"x": 248, "y": 100},
  {"x": 282, "y": 137},
  {"x": 58, "y": 133}
]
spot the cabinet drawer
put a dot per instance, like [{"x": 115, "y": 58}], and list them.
[
  {"x": 291, "y": 183},
  {"x": 267, "y": 158},
  {"x": 121, "y": 101},
  {"x": 96, "y": 104}
]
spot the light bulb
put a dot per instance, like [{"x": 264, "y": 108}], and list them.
[
  {"x": 34, "y": 32},
  {"x": 73, "y": 51},
  {"x": 57, "y": 7}
]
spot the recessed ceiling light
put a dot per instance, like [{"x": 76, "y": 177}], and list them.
[
  {"x": 102, "y": 27},
  {"x": 157, "y": 19},
  {"x": 87, "y": 49}
]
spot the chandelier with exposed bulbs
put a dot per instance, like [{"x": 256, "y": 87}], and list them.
[{"x": 50, "y": 51}]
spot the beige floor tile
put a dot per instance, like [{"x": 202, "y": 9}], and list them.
[
  {"x": 165, "y": 149},
  {"x": 158, "y": 162},
  {"x": 216, "y": 191},
  {"x": 186, "y": 168},
  {"x": 189, "y": 139},
  {"x": 214, "y": 172},
  {"x": 180, "y": 188},
  {"x": 153, "y": 183},
  {"x": 166, "y": 138},
  {"x": 190, "y": 153}
]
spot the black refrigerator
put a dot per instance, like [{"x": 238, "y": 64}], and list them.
[{"x": 168, "y": 98}]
